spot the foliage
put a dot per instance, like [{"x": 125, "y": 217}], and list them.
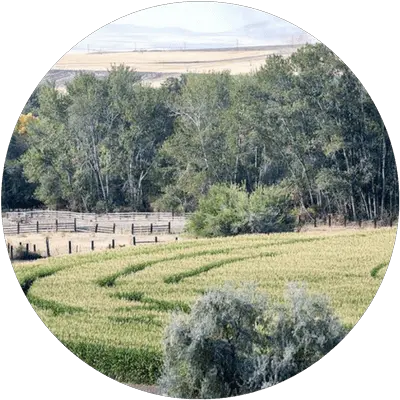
[
  {"x": 23, "y": 121},
  {"x": 229, "y": 210},
  {"x": 236, "y": 342},
  {"x": 222, "y": 212},
  {"x": 114, "y": 143},
  {"x": 21, "y": 254},
  {"x": 295, "y": 336},
  {"x": 270, "y": 210}
]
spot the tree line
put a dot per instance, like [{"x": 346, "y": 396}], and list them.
[{"x": 304, "y": 123}]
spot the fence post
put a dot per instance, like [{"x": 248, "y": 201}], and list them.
[
  {"x": 113, "y": 229},
  {"x": 359, "y": 222},
  {"x": 96, "y": 228},
  {"x": 47, "y": 247},
  {"x": 375, "y": 223},
  {"x": 27, "y": 248},
  {"x": 155, "y": 239},
  {"x": 151, "y": 228},
  {"x": 169, "y": 227},
  {"x": 69, "y": 247},
  {"x": 134, "y": 241},
  {"x": 132, "y": 229},
  {"x": 34, "y": 248},
  {"x": 18, "y": 228},
  {"x": 37, "y": 226},
  {"x": 113, "y": 244},
  {"x": 12, "y": 253},
  {"x": 345, "y": 221},
  {"x": 92, "y": 245},
  {"x": 74, "y": 224},
  {"x": 8, "y": 248},
  {"x": 315, "y": 222},
  {"x": 176, "y": 238},
  {"x": 56, "y": 225},
  {"x": 329, "y": 220}
]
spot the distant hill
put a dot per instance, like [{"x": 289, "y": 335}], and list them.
[{"x": 283, "y": 34}]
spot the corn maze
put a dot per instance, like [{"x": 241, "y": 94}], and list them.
[{"x": 110, "y": 308}]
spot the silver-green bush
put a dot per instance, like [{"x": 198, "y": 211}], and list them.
[{"x": 236, "y": 341}]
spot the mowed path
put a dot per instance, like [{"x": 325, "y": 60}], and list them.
[{"x": 111, "y": 308}]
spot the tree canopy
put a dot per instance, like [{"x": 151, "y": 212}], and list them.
[{"x": 302, "y": 122}]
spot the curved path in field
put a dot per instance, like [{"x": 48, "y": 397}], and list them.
[{"x": 111, "y": 308}]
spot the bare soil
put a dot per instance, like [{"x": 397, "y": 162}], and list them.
[
  {"x": 156, "y": 66},
  {"x": 81, "y": 242}
]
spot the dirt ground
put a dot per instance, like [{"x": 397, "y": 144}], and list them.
[
  {"x": 81, "y": 242},
  {"x": 166, "y": 61},
  {"x": 145, "y": 388},
  {"x": 171, "y": 63}
]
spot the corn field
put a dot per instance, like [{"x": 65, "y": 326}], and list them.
[{"x": 110, "y": 308}]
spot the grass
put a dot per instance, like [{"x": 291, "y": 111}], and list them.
[
  {"x": 154, "y": 304},
  {"x": 375, "y": 270},
  {"x": 56, "y": 308},
  {"x": 176, "y": 278},
  {"x": 110, "y": 308}
]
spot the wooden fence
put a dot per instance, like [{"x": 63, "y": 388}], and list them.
[
  {"x": 60, "y": 226},
  {"x": 27, "y": 251},
  {"x": 38, "y": 227},
  {"x": 69, "y": 215},
  {"x": 343, "y": 221}
]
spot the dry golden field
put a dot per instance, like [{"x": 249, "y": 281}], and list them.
[
  {"x": 171, "y": 63},
  {"x": 110, "y": 308}
]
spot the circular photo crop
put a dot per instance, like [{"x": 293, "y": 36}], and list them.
[{"x": 200, "y": 200}]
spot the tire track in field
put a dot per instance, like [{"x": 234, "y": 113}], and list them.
[
  {"x": 40, "y": 272},
  {"x": 374, "y": 271},
  {"x": 110, "y": 280},
  {"x": 176, "y": 278}
]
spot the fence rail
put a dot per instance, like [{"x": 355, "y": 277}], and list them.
[
  {"x": 75, "y": 226},
  {"x": 32, "y": 251},
  {"x": 68, "y": 215}
]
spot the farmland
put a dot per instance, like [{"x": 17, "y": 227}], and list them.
[
  {"x": 110, "y": 308},
  {"x": 156, "y": 66}
]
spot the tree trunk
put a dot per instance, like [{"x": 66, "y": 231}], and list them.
[
  {"x": 351, "y": 187},
  {"x": 365, "y": 206},
  {"x": 370, "y": 205},
  {"x": 383, "y": 176}
]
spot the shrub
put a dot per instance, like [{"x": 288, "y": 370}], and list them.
[
  {"x": 270, "y": 210},
  {"x": 236, "y": 341},
  {"x": 22, "y": 254},
  {"x": 296, "y": 335},
  {"x": 229, "y": 210},
  {"x": 206, "y": 352},
  {"x": 222, "y": 212}
]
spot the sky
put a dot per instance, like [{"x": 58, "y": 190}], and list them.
[
  {"x": 200, "y": 17},
  {"x": 215, "y": 25}
]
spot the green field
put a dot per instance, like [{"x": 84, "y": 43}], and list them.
[{"x": 110, "y": 308}]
